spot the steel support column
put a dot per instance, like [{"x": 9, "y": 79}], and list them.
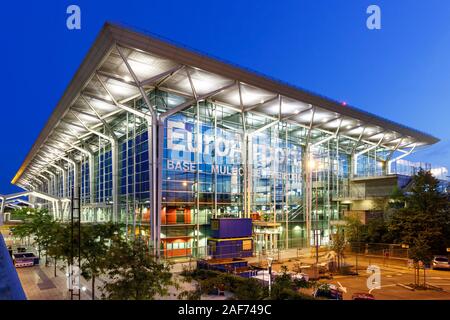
[
  {"x": 63, "y": 170},
  {"x": 389, "y": 163},
  {"x": 155, "y": 164},
  {"x": 52, "y": 180},
  {"x": 355, "y": 157},
  {"x": 91, "y": 158},
  {"x": 308, "y": 169},
  {"x": 75, "y": 176},
  {"x": 115, "y": 166}
]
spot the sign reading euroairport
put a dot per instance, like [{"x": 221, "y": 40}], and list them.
[{"x": 220, "y": 151}]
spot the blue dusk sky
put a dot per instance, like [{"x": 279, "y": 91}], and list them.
[{"x": 401, "y": 72}]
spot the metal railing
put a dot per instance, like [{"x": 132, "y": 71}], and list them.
[{"x": 382, "y": 250}]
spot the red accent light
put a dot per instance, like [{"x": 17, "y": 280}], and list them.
[{"x": 344, "y": 103}]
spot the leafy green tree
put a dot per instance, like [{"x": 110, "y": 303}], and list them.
[
  {"x": 281, "y": 283},
  {"x": 190, "y": 294},
  {"x": 420, "y": 251},
  {"x": 424, "y": 222},
  {"x": 21, "y": 232},
  {"x": 59, "y": 245},
  {"x": 51, "y": 236},
  {"x": 377, "y": 231},
  {"x": 25, "y": 229},
  {"x": 338, "y": 245},
  {"x": 46, "y": 234},
  {"x": 249, "y": 289},
  {"x": 95, "y": 243},
  {"x": 355, "y": 230},
  {"x": 397, "y": 199},
  {"x": 37, "y": 223},
  {"x": 134, "y": 273},
  {"x": 22, "y": 213},
  {"x": 285, "y": 288},
  {"x": 242, "y": 288}
]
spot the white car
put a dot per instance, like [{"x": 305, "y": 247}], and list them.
[
  {"x": 440, "y": 262},
  {"x": 263, "y": 275},
  {"x": 300, "y": 276}
]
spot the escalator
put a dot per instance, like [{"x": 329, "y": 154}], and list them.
[{"x": 295, "y": 212}]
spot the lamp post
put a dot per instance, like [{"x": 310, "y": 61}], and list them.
[
  {"x": 269, "y": 263},
  {"x": 312, "y": 165},
  {"x": 357, "y": 250},
  {"x": 316, "y": 231}
]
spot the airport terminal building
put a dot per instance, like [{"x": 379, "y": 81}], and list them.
[{"x": 163, "y": 139}]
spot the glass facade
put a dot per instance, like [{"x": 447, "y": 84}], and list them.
[{"x": 163, "y": 143}]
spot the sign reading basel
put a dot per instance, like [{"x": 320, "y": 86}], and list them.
[{"x": 219, "y": 151}]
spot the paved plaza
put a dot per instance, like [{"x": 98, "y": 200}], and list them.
[{"x": 40, "y": 283}]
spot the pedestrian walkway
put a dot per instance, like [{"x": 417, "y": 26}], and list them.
[{"x": 40, "y": 283}]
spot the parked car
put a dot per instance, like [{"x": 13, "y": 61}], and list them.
[
  {"x": 25, "y": 259},
  {"x": 363, "y": 296},
  {"x": 328, "y": 291},
  {"x": 440, "y": 262},
  {"x": 300, "y": 276},
  {"x": 263, "y": 276}
]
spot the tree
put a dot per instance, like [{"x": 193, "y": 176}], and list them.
[
  {"x": 285, "y": 288},
  {"x": 58, "y": 243},
  {"x": 248, "y": 289},
  {"x": 397, "y": 199},
  {"x": 423, "y": 222},
  {"x": 95, "y": 243},
  {"x": 209, "y": 281},
  {"x": 190, "y": 294},
  {"x": 354, "y": 229},
  {"x": 377, "y": 231},
  {"x": 46, "y": 234},
  {"x": 338, "y": 245},
  {"x": 134, "y": 273},
  {"x": 25, "y": 229},
  {"x": 36, "y": 223},
  {"x": 420, "y": 253},
  {"x": 426, "y": 216},
  {"x": 50, "y": 235}
]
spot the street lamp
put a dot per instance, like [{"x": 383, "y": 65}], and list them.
[{"x": 269, "y": 263}]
